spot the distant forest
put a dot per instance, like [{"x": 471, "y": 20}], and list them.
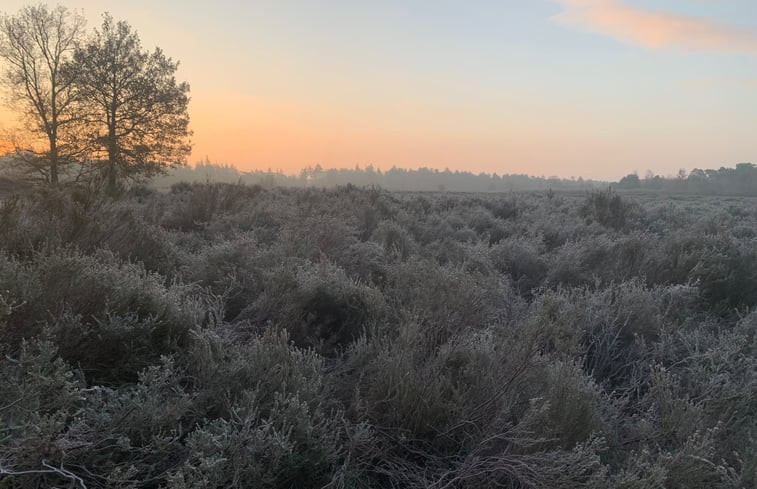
[
  {"x": 740, "y": 180},
  {"x": 394, "y": 179}
]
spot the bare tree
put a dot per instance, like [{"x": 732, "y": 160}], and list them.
[
  {"x": 36, "y": 46},
  {"x": 138, "y": 112}
]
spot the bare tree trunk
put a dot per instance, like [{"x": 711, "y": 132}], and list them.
[
  {"x": 112, "y": 155},
  {"x": 111, "y": 178},
  {"x": 53, "y": 161}
]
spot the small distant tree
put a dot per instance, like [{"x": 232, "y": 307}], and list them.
[
  {"x": 36, "y": 46},
  {"x": 630, "y": 181},
  {"x": 137, "y": 110}
]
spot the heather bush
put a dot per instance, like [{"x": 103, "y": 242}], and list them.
[
  {"x": 365, "y": 262},
  {"x": 727, "y": 277},
  {"x": 131, "y": 436},
  {"x": 504, "y": 208},
  {"x": 394, "y": 240},
  {"x": 573, "y": 404},
  {"x": 291, "y": 447},
  {"x": 109, "y": 317},
  {"x": 40, "y": 395},
  {"x": 49, "y": 218},
  {"x": 269, "y": 424},
  {"x": 471, "y": 412},
  {"x": 318, "y": 304},
  {"x": 607, "y": 208},
  {"x": 314, "y": 236},
  {"x": 230, "y": 269},
  {"x": 567, "y": 267},
  {"x": 458, "y": 300},
  {"x": 195, "y": 206},
  {"x": 522, "y": 260},
  {"x": 87, "y": 221},
  {"x": 233, "y": 336}
]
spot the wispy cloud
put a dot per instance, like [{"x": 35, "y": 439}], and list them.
[{"x": 656, "y": 28}]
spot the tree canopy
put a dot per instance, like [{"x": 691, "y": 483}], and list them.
[
  {"x": 99, "y": 100},
  {"x": 37, "y": 45},
  {"x": 138, "y": 111}
]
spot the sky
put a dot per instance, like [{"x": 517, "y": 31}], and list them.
[{"x": 591, "y": 88}]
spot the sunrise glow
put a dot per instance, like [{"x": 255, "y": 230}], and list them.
[{"x": 597, "y": 88}]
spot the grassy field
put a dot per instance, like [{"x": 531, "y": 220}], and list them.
[{"x": 219, "y": 336}]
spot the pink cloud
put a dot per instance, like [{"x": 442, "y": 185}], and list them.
[{"x": 655, "y": 29}]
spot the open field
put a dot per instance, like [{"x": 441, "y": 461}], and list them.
[{"x": 234, "y": 336}]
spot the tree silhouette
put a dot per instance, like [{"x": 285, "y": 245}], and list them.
[
  {"x": 138, "y": 111},
  {"x": 37, "y": 45},
  {"x": 630, "y": 181}
]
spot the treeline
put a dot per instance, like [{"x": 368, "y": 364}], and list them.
[
  {"x": 394, "y": 179},
  {"x": 232, "y": 336},
  {"x": 740, "y": 180}
]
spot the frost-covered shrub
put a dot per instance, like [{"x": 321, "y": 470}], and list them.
[
  {"x": 504, "y": 208},
  {"x": 291, "y": 447},
  {"x": 114, "y": 318},
  {"x": 87, "y": 221},
  {"x": 194, "y": 206},
  {"x": 39, "y": 395},
  {"x": 573, "y": 404},
  {"x": 49, "y": 218},
  {"x": 318, "y": 304},
  {"x": 727, "y": 276},
  {"x": 395, "y": 240},
  {"x": 477, "y": 409},
  {"x": 317, "y": 236},
  {"x": 227, "y": 336},
  {"x": 448, "y": 299},
  {"x": 269, "y": 424},
  {"x": 567, "y": 267},
  {"x": 231, "y": 269},
  {"x": 522, "y": 260},
  {"x": 365, "y": 262},
  {"x": 607, "y": 208}
]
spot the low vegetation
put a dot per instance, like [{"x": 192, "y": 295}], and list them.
[{"x": 222, "y": 335}]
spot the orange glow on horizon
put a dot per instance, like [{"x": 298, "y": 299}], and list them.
[
  {"x": 537, "y": 88},
  {"x": 254, "y": 133},
  {"x": 258, "y": 133}
]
